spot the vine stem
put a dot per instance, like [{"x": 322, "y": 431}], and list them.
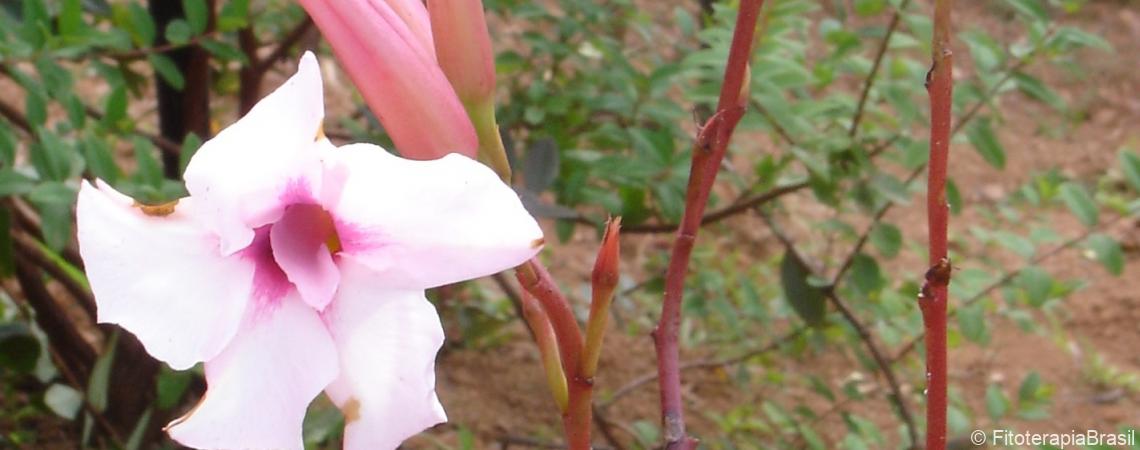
[
  {"x": 933, "y": 297},
  {"x": 708, "y": 152}
]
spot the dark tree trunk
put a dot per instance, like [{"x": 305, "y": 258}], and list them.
[{"x": 186, "y": 111}]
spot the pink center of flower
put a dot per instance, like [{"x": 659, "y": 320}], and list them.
[{"x": 300, "y": 251}]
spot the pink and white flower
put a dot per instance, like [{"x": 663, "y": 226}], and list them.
[{"x": 296, "y": 267}]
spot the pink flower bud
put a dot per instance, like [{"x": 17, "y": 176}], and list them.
[
  {"x": 386, "y": 48},
  {"x": 464, "y": 48}
]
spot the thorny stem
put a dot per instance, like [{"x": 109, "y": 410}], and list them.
[
  {"x": 933, "y": 297},
  {"x": 708, "y": 152}
]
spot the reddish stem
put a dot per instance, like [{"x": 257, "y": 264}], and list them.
[
  {"x": 933, "y": 298},
  {"x": 708, "y": 152},
  {"x": 576, "y": 418}
]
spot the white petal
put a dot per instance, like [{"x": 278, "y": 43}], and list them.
[
  {"x": 251, "y": 170},
  {"x": 161, "y": 276},
  {"x": 422, "y": 224},
  {"x": 387, "y": 341},
  {"x": 261, "y": 385}
]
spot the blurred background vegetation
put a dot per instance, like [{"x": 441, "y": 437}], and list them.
[{"x": 801, "y": 328}]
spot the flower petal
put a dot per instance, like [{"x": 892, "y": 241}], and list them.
[
  {"x": 422, "y": 224},
  {"x": 158, "y": 273},
  {"x": 387, "y": 341},
  {"x": 299, "y": 248},
  {"x": 261, "y": 385},
  {"x": 250, "y": 171}
]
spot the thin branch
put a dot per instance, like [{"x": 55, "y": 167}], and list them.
[
  {"x": 284, "y": 45},
  {"x": 512, "y": 295},
  {"x": 780, "y": 130},
  {"x": 644, "y": 379},
  {"x": 14, "y": 115},
  {"x": 718, "y": 215},
  {"x": 870, "y": 80},
  {"x": 865, "y": 236},
  {"x": 52, "y": 319},
  {"x": 708, "y": 152},
  {"x": 27, "y": 218},
  {"x": 139, "y": 53},
  {"x": 30, "y": 249},
  {"x": 604, "y": 425},
  {"x": 884, "y": 366}
]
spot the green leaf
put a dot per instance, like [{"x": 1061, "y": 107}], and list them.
[
  {"x": 1077, "y": 199},
  {"x": 141, "y": 24},
  {"x": 1037, "y": 90},
  {"x": 7, "y": 145},
  {"x": 1076, "y": 37},
  {"x": 997, "y": 405},
  {"x": 323, "y": 422},
  {"x": 197, "y": 14},
  {"x": 953, "y": 196},
  {"x": 166, "y": 68},
  {"x": 224, "y": 51},
  {"x": 15, "y": 183},
  {"x": 865, "y": 274},
  {"x": 50, "y": 155},
  {"x": 53, "y": 193},
  {"x": 1130, "y": 165},
  {"x": 1036, "y": 283},
  {"x": 1107, "y": 251},
  {"x": 171, "y": 386},
  {"x": 147, "y": 170},
  {"x": 1030, "y": 387},
  {"x": 869, "y": 7},
  {"x": 986, "y": 143},
  {"x": 972, "y": 323},
  {"x": 71, "y": 18},
  {"x": 55, "y": 78},
  {"x": 233, "y": 16},
  {"x": 63, "y": 400},
  {"x": 134, "y": 441},
  {"x": 178, "y": 32},
  {"x": 806, "y": 300},
  {"x": 189, "y": 147},
  {"x": 1032, "y": 9},
  {"x": 100, "y": 162},
  {"x": 19, "y": 348},
  {"x": 100, "y": 380},
  {"x": 115, "y": 108},
  {"x": 887, "y": 238},
  {"x": 35, "y": 108}
]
